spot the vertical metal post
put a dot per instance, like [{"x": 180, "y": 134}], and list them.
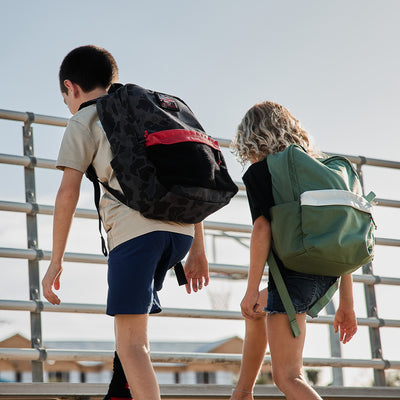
[
  {"x": 372, "y": 310},
  {"x": 32, "y": 238},
  {"x": 336, "y": 351},
  {"x": 374, "y": 333},
  {"x": 214, "y": 248}
]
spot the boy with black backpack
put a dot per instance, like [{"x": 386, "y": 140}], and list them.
[{"x": 142, "y": 250}]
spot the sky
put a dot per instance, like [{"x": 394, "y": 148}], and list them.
[{"x": 333, "y": 64}]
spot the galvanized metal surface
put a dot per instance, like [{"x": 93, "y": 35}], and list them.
[
  {"x": 32, "y": 243},
  {"x": 26, "y": 305},
  {"x": 43, "y": 354},
  {"x": 18, "y": 391}
]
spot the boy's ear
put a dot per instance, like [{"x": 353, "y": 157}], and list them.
[{"x": 72, "y": 87}]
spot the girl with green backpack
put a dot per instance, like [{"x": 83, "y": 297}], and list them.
[{"x": 268, "y": 128}]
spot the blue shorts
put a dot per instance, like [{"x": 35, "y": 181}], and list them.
[
  {"x": 304, "y": 290},
  {"x": 137, "y": 268}
]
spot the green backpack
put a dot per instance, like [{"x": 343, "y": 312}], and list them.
[{"x": 321, "y": 223}]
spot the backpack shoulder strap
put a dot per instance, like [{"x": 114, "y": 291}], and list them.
[
  {"x": 92, "y": 176},
  {"x": 286, "y": 300},
  {"x": 180, "y": 274},
  {"x": 324, "y": 300},
  {"x": 283, "y": 293}
]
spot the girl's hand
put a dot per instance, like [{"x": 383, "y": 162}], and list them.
[
  {"x": 346, "y": 323},
  {"x": 250, "y": 305}
]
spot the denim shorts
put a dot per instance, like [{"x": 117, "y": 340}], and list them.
[
  {"x": 304, "y": 290},
  {"x": 137, "y": 268}
]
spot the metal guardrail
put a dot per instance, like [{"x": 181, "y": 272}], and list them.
[
  {"x": 29, "y": 305},
  {"x": 37, "y": 353},
  {"x": 19, "y": 354},
  {"x": 91, "y": 391}
]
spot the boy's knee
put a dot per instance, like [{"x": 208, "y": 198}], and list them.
[{"x": 125, "y": 348}]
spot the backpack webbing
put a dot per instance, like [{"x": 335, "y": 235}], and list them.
[
  {"x": 91, "y": 175},
  {"x": 286, "y": 300}
]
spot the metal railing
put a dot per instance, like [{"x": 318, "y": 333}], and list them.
[{"x": 239, "y": 232}]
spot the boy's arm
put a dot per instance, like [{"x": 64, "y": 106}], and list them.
[
  {"x": 345, "y": 318},
  {"x": 196, "y": 265},
  {"x": 260, "y": 245},
  {"x": 66, "y": 201}
]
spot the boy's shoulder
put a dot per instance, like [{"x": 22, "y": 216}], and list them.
[
  {"x": 84, "y": 118},
  {"x": 85, "y": 113}
]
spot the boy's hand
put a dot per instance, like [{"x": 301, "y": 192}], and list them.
[
  {"x": 52, "y": 278},
  {"x": 346, "y": 323},
  {"x": 196, "y": 271}
]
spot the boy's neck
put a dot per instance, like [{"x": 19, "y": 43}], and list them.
[
  {"x": 93, "y": 94},
  {"x": 89, "y": 97}
]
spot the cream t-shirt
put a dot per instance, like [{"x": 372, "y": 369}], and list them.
[{"x": 85, "y": 143}]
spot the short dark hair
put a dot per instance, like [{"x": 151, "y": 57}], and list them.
[{"x": 89, "y": 67}]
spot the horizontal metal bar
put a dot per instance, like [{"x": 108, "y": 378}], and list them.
[
  {"x": 31, "y": 254},
  {"x": 227, "y": 227},
  {"x": 354, "y": 159},
  {"x": 59, "y": 121},
  {"x": 26, "y": 254},
  {"x": 376, "y": 280},
  {"x": 27, "y": 208},
  {"x": 92, "y": 214},
  {"x": 220, "y": 226},
  {"x": 26, "y": 161},
  {"x": 229, "y": 269},
  {"x": 49, "y": 163},
  {"x": 29, "y": 305},
  {"x": 38, "y": 118},
  {"x": 17, "y": 354},
  {"x": 68, "y": 390},
  {"x": 387, "y": 242},
  {"x": 373, "y": 162},
  {"x": 387, "y": 203}
]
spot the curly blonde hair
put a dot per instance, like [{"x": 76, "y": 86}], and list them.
[{"x": 268, "y": 128}]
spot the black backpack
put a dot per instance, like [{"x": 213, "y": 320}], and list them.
[{"x": 167, "y": 166}]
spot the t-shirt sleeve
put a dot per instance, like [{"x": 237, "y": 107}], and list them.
[
  {"x": 257, "y": 180},
  {"x": 77, "y": 147}
]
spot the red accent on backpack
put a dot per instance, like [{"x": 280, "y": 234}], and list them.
[{"x": 173, "y": 136}]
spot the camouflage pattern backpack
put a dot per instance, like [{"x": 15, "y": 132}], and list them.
[{"x": 167, "y": 166}]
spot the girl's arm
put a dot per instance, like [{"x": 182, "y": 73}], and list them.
[
  {"x": 345, "y": 319},
  {"x": 260, "y": 245}
]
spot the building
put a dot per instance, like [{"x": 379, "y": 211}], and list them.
[{"x": 100, "y": 372}]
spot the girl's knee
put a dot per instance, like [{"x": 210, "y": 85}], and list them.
[{"x": 287, "y": 380}]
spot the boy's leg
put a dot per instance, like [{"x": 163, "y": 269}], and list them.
[
  {"x": 287, "y": 357},
  {"x": 134, "y": 351},
  {"x": 118, "y": 388},
  {"x": 254, "y": 349}
]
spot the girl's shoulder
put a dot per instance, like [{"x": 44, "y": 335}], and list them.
[{"x": 257, "y": 170}]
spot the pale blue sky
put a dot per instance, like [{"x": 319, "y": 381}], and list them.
[{"x": 334, "y": 64}]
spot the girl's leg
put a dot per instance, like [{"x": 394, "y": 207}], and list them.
[
  {"x": 287, "y": 357},
  {"x": 134, "y": 352},
  {"x": 254, "y": 348}
]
